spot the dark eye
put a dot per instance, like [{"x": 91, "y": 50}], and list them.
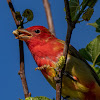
[{"x": 37, "y": 31}]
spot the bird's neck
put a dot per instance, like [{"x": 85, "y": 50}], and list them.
[{"x": 44, "y": 51}]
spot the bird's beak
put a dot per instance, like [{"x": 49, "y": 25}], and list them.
[{"x": 22, "y": 34}]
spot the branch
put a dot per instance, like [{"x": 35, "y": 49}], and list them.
[
  {"x": 71, "y": 25},
  {"x": 49, "y": 16},
  {"x": 21, "y": 72},
  {"x": 68, "y": 15},
  {"x": 70, "y": 28}
]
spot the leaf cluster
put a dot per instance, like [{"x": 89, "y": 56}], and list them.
[
  {"x": 92, "y": 53},
  {"x": 92, "y": 50},
  {"x": 85, "y": 9},
  {"x": 28, "y": 14}
]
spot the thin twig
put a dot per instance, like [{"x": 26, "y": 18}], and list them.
[
  {"x": 51, "y": 29},
  {"x": 58, "y": 86},
  {"x": 21, "y": 72},
  {"x": 49, "y": 16}
]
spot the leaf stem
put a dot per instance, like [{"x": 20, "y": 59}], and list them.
[{"x": 94, "y": 62}]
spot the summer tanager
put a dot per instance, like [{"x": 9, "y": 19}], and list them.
[{"x": 46, "y": 49}]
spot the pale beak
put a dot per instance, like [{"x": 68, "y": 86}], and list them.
[{"x": 22, "y": 34}]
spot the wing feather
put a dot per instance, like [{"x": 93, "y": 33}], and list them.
[{"x": 72, "y": 51}]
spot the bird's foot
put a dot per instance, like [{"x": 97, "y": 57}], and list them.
[{"x": 42, "y": 67}]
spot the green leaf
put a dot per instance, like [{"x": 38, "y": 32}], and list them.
[
  {"x": 88, "y": 13},
  {"x": 96, "y": 25},
  {"x": 85, "y": 54},
  {"x": 28, "y": 14},
  {"x": 98, "y": 21},
  {"x": 18, "y": 16},
  {"x": 74, "y": 8},
  {"x": 91, "y": 3},
  {"x": 92, "y": 51},
  {"x": 37, "y": 98},
  {"x": 97, "y": 70}
]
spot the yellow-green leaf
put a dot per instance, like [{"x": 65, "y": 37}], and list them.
[
  {"x": 92, "y": 51},
  {"x": 96, "y": 25},
  {"x": 37, "y": 98}
]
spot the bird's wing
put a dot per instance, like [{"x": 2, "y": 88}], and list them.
[{"x": 72, "y": 51}]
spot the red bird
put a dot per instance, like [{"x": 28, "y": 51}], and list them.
[{"x": 47, "y": 51}]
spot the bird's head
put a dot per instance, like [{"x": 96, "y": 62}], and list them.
[{"x": 31, "y": 33}]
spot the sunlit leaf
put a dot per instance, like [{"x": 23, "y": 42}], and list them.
[
  {"x": 87, "y": 15},
  {"x": 92, "y": 51},
  {"x": 37, "y": 98},
  {"x": 96, "y": 25}
]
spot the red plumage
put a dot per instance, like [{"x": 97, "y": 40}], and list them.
[{"x": 47, "y": 49}]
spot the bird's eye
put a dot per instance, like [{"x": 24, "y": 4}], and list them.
[{"x": 37, "y": 31}]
